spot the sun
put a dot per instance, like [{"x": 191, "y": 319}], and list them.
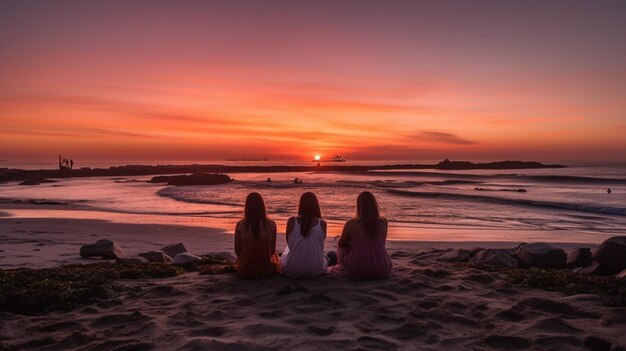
[{"x": 318, "y": 157}]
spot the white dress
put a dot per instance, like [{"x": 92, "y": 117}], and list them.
[{"x": 304, "y": 256}]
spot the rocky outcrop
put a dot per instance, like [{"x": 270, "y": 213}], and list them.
[
  {"x": 541, "y": 255},
  {"x": 37, "y": 181},
  {"x": 174, "y": 249},
  {"x": 183, "y": 258},
  {"x": 193, "y": 179},
  {"x": 493, "y": 257},
  {"x": 156, "y": 256},
  {"x": 611, "y": 254},
  {"x": 580, "y": 257},
  {"x": 102, "y": 248}
]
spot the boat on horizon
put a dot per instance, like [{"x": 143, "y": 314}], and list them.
[{"x": 337, "y": 158}]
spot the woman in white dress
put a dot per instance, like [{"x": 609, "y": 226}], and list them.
[{"x": 304, "y": 256}]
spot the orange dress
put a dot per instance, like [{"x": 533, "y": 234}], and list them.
[{"x": 256, "y": 258}]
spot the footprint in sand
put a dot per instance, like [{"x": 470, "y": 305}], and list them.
[
  {"x": 321, "y": 330},
  {"x": 372, "y": 343},
  {"x": 507, "y": 342}
]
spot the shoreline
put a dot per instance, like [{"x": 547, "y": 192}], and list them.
[{"x": 49, "y": 235}]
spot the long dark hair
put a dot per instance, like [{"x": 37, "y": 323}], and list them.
[
  {"x": 308, "y": 210},
  {"x": 367, "y": 213},
  {"x": 254, "y": 214}
]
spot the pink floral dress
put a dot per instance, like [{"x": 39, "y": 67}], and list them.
[{"x": 362, "y": 257}]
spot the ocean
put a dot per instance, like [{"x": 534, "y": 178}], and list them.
[{"x": 563, "y": 202}]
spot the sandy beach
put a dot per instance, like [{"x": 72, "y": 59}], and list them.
[{"x": 428, "y": 305}]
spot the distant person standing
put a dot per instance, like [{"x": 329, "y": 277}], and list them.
[
  {"x": 71, "y": 164},
  {"x": 609, "y": 190}
]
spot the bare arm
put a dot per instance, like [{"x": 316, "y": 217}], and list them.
[
  {"x": 290, "y": 223},
  {"x": 344, "y": 239},
  {"x": 324, "y": 227},
  {"x": 238, "y": 238},
  {"x": 273, "y": 228}
]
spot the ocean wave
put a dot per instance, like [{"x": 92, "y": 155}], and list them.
[
  {"x": 515, "y": 202},
  {"x": 173, "y": 193},
  {"x": 509, "y": 176}
]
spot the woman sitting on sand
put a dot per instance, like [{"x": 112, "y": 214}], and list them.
[
  {"x": 304, "y": 256},
  {"x": 361, "y": 249},
  {"x": 255, "y": 241}
]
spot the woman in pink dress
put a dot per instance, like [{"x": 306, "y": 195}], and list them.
[{"x": 361, "y": 252}]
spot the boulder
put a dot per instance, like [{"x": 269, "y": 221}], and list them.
[
  {"x": 459, "y": 255},
  {"x": 184, "y": 257},
  {"x": 594, "y": 269},
  {"x": 541, "y": 255},
  {"x": 174, "y": 249},
  {"x": 102, "y": 248},
  {"x": 37, "y": 181},
  {"x": 220, "y": 257},
  {"x": 493, "y": 257},
  {"x": 580, "y": 257},
  {"x": 156, "y": 256},
  {"x": 131, "y": 260},
  {"x": 612, "y": 254}
]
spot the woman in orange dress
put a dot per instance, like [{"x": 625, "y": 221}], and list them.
[{"x": 255, "y": 241}]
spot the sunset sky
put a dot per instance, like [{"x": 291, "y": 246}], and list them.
[{"x": 210, "y": 80}]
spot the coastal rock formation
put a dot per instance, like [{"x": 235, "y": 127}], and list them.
[
  {"x": 174, "y": 249},
  {"x": 193, "y": 179},
  {"x": 8, "y": 175},
  {"x": 612, "y": 254},
  {"x": 131, "y": 260},
  {"x": 541, "y": 255},
  {"x": 462, "y": 165},
  {"x": 156, "y": 256},
  {"x": 37, "y": 181},
  {"x": 580, "y": 257},
  {"x": 184, "y": 257},
  {"x": 493, "y": 257},
  {"x": 102, "y": 248}
]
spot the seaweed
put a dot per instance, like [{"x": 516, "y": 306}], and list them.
[{"x": 37, "y": 291}]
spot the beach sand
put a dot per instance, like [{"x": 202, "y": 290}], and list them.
[{"x": 427, "y": 305}]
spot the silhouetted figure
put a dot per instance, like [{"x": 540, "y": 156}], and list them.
[
  {"x": 295, "y": 180},
  {"x": 609, "y": 190},
  {"x": 300, "y": 181},
  {"x": 60, "y": 164},
  {"x": 71, "y": 164},
  {"x": 269, "y": 180}
]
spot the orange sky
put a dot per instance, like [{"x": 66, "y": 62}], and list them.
[{"x": 194, "y": 80}]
